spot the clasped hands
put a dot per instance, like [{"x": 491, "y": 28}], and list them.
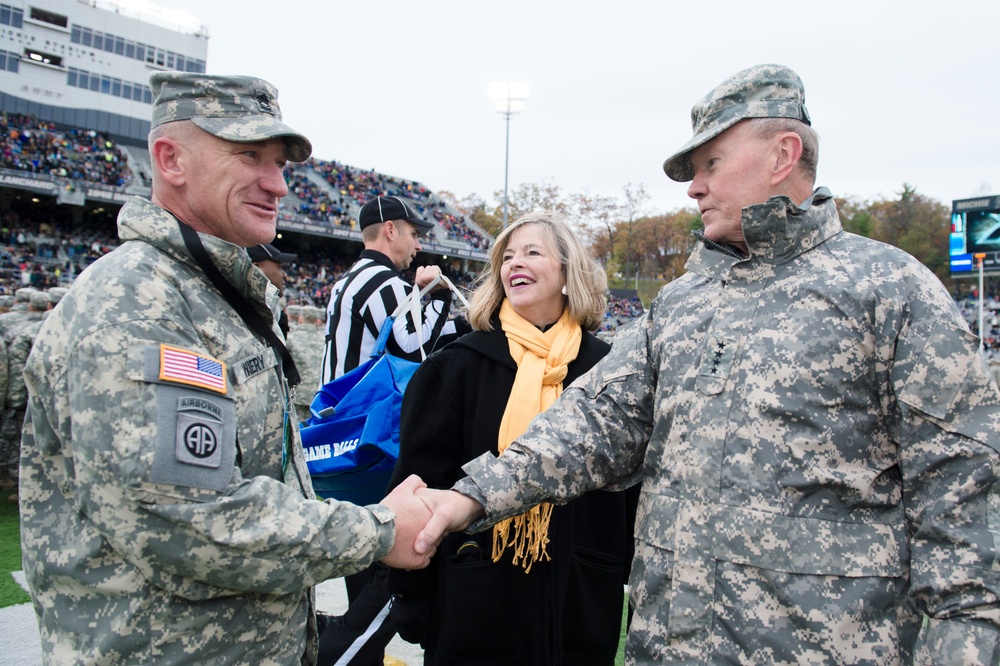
[{"x": 424, "y": 516}]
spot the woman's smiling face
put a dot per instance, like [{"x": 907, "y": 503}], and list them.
[{"x": 532, "y": 276}]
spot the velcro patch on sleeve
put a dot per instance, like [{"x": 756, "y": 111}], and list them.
[
  {"x": 196, "y": 439},
  {"x": 246, "y": 369},
  {"x": 181, "y": 366}
]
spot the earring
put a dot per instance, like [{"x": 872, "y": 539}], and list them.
[{"x": 564, "y": 290}]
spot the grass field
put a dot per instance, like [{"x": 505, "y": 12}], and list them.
[
  {"x": 10, "y": 556},
  {"x": 620, "y": 659}
]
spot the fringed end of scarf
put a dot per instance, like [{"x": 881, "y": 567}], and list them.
[{"x": 529, "y": 539}]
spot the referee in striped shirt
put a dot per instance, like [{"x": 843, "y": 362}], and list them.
[
  {"x": 360, "y": 302},
  {"x": 369, "y": 292}
]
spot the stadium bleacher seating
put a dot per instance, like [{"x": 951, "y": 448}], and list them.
[{"x": 82, "y": 155}]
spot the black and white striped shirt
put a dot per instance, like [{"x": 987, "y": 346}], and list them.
[{"x": 360, "y": 302}]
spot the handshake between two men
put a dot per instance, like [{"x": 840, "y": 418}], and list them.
[{"x": 424, "y": 516}]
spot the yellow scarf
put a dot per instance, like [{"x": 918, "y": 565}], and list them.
[{"x": 542, "y": 360}]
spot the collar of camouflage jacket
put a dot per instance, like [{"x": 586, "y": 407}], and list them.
[
  {"x": 142, "y": 220},
  {"x": 775, "y": 232}
]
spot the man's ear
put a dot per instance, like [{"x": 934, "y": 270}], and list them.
[
  {"x": 787, "y": 153},
  {"x": 166, "y": 155},
  {"x": 389, "y": 229}
]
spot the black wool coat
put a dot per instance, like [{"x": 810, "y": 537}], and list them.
[{"x": 466, "y": 609}]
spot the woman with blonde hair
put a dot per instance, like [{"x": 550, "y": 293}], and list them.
[{"x": 544, "y": 587}]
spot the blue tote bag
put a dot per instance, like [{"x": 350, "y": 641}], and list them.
[{"x": 351, "y": 441}]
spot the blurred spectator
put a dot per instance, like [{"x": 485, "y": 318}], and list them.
[{"x": 621, "y": 311}]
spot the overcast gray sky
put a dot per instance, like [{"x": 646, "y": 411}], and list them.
[{"x": 898, "y": 91}]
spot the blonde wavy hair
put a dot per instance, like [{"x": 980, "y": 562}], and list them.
[{"x": 586, "y": 282}]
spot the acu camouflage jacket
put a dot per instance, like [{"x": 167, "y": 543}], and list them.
[
  {"x": 817, "y": 439},
  {"x": 158, "y": 525}
]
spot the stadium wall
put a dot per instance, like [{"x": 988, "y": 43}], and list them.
[{"x": 87, "y": 64}]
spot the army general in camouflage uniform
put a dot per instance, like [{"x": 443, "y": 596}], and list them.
[
  {"x": 167, "y": 515},
  {"x": 815, "y": 430}
]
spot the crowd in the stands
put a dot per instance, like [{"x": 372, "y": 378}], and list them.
[
  {"x": 621, "y": 310},
  {"x": 969, "y": 305},
  {"x": 455, "y": 228},
  {"x": 35, "y": 146},
  {"x": 44, "y": 249},
  {"x": 362, "y": 185},
  {"x": 350, "y": 186},
  {"x": 313, "y": 201},
  {"x": 46, "y": 254}
]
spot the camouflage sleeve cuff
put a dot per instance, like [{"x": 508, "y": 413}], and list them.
[
  {"x": 385, "y": 529},
  {"x": 490, "y": 484},
  {"x": 941, "y": 640},
  {"x": 467, "y": 487}
]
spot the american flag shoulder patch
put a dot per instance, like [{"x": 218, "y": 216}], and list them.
[{"x": 187, "y": 367}]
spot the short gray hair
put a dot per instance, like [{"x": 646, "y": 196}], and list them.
[{"x": 766, "y": 128}]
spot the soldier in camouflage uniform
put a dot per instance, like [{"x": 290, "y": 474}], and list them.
[
  {"x": 167, "y": 515},
  {"x": 21, "y": 298},
  {"x": 815, "y": 430},
  {"x": 17, "y": 343},
  {"x": 306, "y": 342},
  {"x": 10, "y": 423},
  {"x": 6, "y": 482},
  {"x": 16, "y": 314}
]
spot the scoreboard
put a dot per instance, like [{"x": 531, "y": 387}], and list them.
[{"x": 975, "y": 230}]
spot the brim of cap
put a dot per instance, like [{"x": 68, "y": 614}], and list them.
[
  {"x": 257, "y": 254},
  {"x": 678, "y": 166},
  {"x": 246, "y": 129},
  {"x": 423, "y": 224}
]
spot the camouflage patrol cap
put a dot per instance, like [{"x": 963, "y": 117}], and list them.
[
  {"x": 23, "y": 295},
  {"x": 235, "y": 108},
  {"x": 56, "y": 294},
  {"x": 763, "y": 91},
  {"x": 311, "y": 313},
  {"x": 6, "y": 301},
  {"x": 39, "y": 300}
]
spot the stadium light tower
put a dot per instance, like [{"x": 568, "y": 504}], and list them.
[{"x": 508, "y": 98}]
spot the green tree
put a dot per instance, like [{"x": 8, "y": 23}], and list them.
[
  {"x": 917, "y": 225},
  {"x": 633, "y": 210},
  {"x": 856, "y": 217},
  {"x": 666, "y": 243}
]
